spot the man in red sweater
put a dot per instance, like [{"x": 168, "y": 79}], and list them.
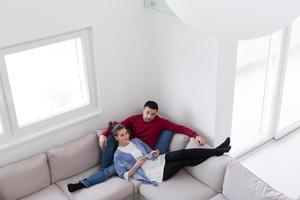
[{"x": 149, "y": 127}]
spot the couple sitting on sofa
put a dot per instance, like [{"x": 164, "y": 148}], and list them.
[{"x": 135, "y": 158}]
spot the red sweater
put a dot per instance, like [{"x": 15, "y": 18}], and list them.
[{"x": 149, "y": 132}]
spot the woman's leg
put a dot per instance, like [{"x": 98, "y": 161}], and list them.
[
  {"x": 226, "y": 143},
  {"x": 188, "y": 154},
  {"x": 188, "y": 157},
  {"x": 198, "y": 152}
]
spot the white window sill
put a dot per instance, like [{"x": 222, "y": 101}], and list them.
[{"x": 12, "y": 142}]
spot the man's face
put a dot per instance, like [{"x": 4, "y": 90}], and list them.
[{"x": 149, "y": 114}]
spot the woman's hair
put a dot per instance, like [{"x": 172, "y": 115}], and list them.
[{"x": 114, "y": 127}]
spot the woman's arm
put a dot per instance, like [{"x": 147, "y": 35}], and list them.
[
  {"x": 142, "y": 145},
  {"x": 135, "y": 167},
  {"x": 122, "y": 169}
]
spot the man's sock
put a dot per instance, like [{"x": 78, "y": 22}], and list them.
[
  {"x": 72, "y": 187},
  {"x": 226, "y": 143}
]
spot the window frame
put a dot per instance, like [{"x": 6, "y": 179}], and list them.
[
  {"x": 277, "y": 134},
  {"x": 13, "y": 134},
  {"x": 275, "y": 81},
  {"x": 263, "y": 137}
]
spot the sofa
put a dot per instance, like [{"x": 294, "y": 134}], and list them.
[{"x": 45, "y": 177}]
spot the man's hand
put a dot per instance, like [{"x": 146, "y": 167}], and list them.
[
  {"x": 102, "y": 141},
  {"x": 199, "y": 140}
]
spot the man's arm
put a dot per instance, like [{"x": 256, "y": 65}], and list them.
[
  {"x": 102, "y": 141},
  {"x": 103, "y": 138},
  {"x": 175, "y": 128}
]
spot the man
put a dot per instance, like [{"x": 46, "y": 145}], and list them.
[{"x": 148, "y": 127}]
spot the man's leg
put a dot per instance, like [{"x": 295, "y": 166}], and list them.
[
  {"x": 97, "y": 177},
  {"x": 164, "y": 141},
  {"x": 108, "y": 152},
  {"x": 106, "y": 171}
]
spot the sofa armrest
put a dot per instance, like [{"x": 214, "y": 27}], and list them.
[
  {"x": 240, "y": 183},
  {"x": 24, "y": 177},
  {"x": 179, "y": 141}
]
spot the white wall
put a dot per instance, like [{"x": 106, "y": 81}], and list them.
[
  {"x": 225, "y": 90},
  {"x": 140, "y": 54},
  {"x": 186, "y": 64},
  {"x": 195, "y": 76},
  {"x": 120, "y": 48}
]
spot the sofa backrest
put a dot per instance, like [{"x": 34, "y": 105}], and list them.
[
  {"x": 179, "y": 141},
  {"x": 74, "y": 157},
  {"x": 240, "y": 183},
  {"x": 24, "y": 177},
  {"x": 211, "y": 172}
]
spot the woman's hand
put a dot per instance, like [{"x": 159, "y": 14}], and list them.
[
  {"x": 135, "y": 167},
  {"x": 156, "y": 153},
  {"x": 140, "y": 162}
]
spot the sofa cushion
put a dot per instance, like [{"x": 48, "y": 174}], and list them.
[
  {"x": 181, "y": 186},
  {"x": 50, "y": 193},
  {"x": 24, "y": 177},
  {"x": 192, "y": 144},
  {"x": 74, "y": 157},
  {"x": 136, "y": 185},
  {"x": 178, "y": 142},
  {"x": 240, "y": 183},
  {"x": 218, "y": 197},
  {"x": 113, "y": 188},
  {"x": 211, "y": 172}
]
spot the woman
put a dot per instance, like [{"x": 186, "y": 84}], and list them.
[{"x": 134, "y": 158}]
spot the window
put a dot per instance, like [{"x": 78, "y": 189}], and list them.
[
  {"x": 266, "y": 100},
  {"x": 1, "y": 128},
  {"x": 252, "y": 63},
  {"x": 290, "y": 104},
  {"x": 47, "y": 82}
]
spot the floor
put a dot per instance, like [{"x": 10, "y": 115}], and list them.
[{"x": 278, "y": 163}]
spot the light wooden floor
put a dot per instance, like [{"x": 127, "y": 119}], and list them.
[{"x": 278, "y": 163}]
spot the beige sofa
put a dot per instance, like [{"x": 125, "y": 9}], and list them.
[{"x": 45, "y": 177}]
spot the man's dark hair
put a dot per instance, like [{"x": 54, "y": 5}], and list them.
[{"x": 151, "y": 104}]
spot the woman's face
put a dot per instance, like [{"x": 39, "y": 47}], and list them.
[{"x": 122, "y": 137}]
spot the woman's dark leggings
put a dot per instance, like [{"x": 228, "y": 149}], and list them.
[{"x": 176, "y": 160}]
